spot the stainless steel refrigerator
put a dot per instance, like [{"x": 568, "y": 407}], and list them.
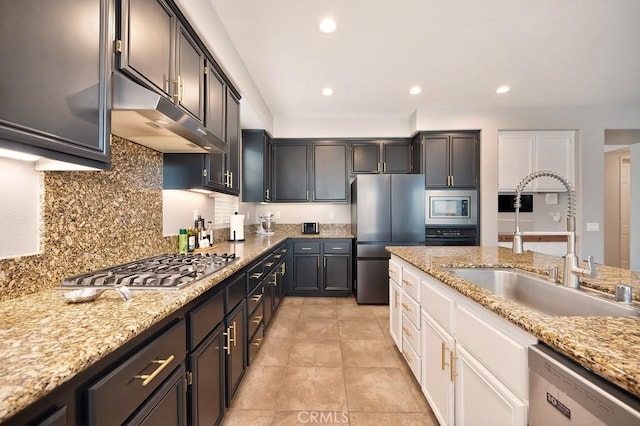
[{"x": 385, "y": 210}]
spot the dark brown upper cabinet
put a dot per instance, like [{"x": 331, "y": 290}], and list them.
[
  {"x": 449, "y": 159},
  {"x": 54, "y": 84},
  {"x": 314, "y": 171},
  {"x": 330, "y": 183},
  {"x": 157, "y": 49},
  {"x": 291, "y": 171},
  {"x": 256, "y": 166},
  {"x": 380, "y": 156}
]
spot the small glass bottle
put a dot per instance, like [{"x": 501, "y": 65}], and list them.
[
  {"x": 182, "y": 242},
  {"x": 191, "y": 234}
]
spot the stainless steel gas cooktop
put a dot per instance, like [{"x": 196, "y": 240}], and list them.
[{"x": 166, "y": 271}]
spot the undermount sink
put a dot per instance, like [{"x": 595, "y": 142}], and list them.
[{"x": 541, "y": 295}]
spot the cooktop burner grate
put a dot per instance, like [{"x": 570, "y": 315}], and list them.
[{"x": 165, "y": 271}]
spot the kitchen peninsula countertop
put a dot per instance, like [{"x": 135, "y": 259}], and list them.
[
  {"x": 45, "y": 341},
  {"x": 608, "y": 346}
]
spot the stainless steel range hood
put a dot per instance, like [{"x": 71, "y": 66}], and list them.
[{"x": 147, "y": 118}]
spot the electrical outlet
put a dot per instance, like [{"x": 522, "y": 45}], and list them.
[
  {"x": 277, "y": 215},
  {"x": 593, "y": 227},
  {"x": 332, "y": 215}
]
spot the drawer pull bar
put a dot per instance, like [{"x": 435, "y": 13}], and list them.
[
  {"x": 444, "y": 349},
  {"x": 305, "y": 248},
  {"x": 234, "y": 339},
  {"x": 406, "y": 355},
  {"x": 257, "y": 298},
  {"x": 268, "y": 264},
  {"x": 337, "y": 248},
  {"x": 257, "y": 342},
  {"x": 256, "y": 275},
  {"x": 406, "y": 307},
  {"x": 147, "y": 378},
  {"x": 396, "y": 297},
  {"x": 228, "y": 347},
  {"x": 406, "y": 331},
  {"x": 452, "y": 361},
  {"x": 257, "y": 319},
  {"x": 407, "y": 283}
]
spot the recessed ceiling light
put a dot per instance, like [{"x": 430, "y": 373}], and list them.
[
  {"x": 327, "y": 91},
  {"x": 328, "y": 25},
  {"x": 415, "y": 90},
  {"x": 502, "y": 89}
]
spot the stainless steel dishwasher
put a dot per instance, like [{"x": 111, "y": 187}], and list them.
[{"x": 561, "y": 392}]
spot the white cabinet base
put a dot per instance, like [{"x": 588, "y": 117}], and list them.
[{"x": 480, "y": 396}]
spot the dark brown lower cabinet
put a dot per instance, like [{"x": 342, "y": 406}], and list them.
[
  {"x": 206, "y": 393},
  {"x": 236, "y": 344},
  {"x": 168, "y": 405},
  {"x": 126, "y": 389},
  {"x": 321, "y": 267}
]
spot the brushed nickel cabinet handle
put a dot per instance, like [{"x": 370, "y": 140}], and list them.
[
  {"x": 444, "y": 362},
  {"x": 406, "y": 355},
  {"x": 396, "y": 298},
  {"x": 452, "y": 363},
  {"x": 256, "y": 275},
  {"x": 406, "y": 331},
  {"x": 257, "y": 342},
  {"x": 235, "y": 340},
  {"x": 257, "y": 298},
  {"x": 407, "y": 283},
  {"x": 147, "y": 378},
  {"x": 257, "y": 319},
  {"x": 406, "y": 307},
  {"x": 228, "y": 347}
]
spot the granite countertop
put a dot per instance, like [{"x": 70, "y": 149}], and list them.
[
  {"x": 45, "y": 341},
  {"x": 608, "y": 346}
]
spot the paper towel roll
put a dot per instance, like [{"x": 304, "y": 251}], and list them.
[{"x": 236, "y": 227}]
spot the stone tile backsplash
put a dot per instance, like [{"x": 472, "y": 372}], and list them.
[{"x": 94, "y": 220}]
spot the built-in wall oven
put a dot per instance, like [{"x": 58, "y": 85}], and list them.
[{"x": 451, "y": 217}]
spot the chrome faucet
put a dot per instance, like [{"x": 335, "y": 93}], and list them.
[{"x": 572, "y": 272}]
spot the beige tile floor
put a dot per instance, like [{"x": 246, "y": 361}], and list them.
[{"x": 329, "y": 361}]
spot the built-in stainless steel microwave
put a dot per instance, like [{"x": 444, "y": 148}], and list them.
[{"x": 451, "y": 207}]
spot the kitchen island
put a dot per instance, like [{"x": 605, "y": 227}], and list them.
[
  {"x": 46, "y": 342},
  {"x": 608, "y": 346}
]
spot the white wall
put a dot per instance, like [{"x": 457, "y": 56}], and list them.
[
  {"x": 20, "y": 191},
  {"x": 178, "y": 207}
]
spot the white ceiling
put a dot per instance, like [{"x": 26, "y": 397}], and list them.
[{"x": 551, "y": 52}]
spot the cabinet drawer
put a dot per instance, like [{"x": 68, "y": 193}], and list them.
[
  {"x": 336, "y": 248},
  {"x": 306, "y": 248},
  {"x": 254, "y": 276},
  {"x": 411, "y": 309},
  {"x": 236, "y": 291},
  {"x": 269, "y": 262},
  {"x": 256, "y": 343},
  {"x": 411, "y": 284},
  {"x": 503, "y": 356},
  {"x": 257, "y": 319},
  {"x": 437, "y": 304},
  {"x": 394, "y": 272},
  {"x": 205, "y": 318},
  {"x": 411, "y": 334},
  {"x": 280, "y": 253},
  {"x": 115, "y": 397},
  {"x": 413, "y": 359},
  {"x": 254, "y": 299}
]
